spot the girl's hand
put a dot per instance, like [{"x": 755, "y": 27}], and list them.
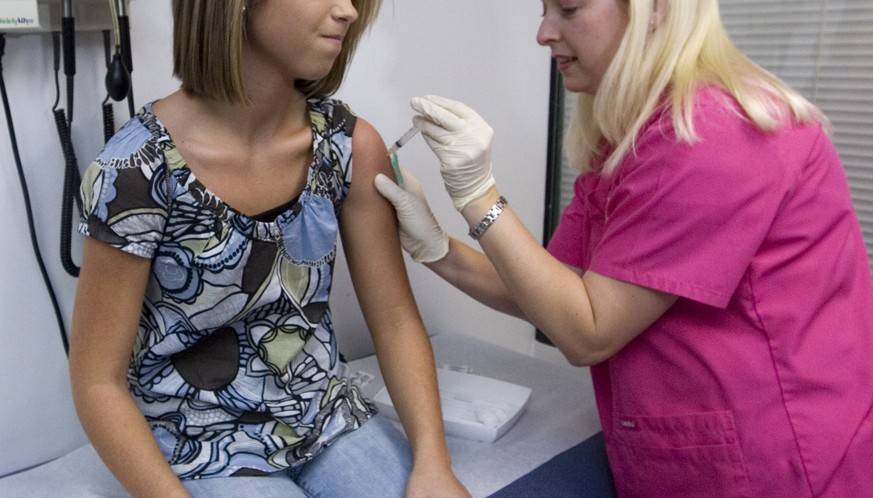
[{"x": 432, "y": 483}]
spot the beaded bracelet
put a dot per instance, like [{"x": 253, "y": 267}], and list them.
[{"x": 489, "y": 218}]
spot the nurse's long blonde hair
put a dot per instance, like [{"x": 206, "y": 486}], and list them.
[{"x": 665, "y": 65}]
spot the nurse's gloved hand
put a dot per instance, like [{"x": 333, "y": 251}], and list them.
[
  {"x": 461, "y": 139},
  {"x": 420, "y": 233}
]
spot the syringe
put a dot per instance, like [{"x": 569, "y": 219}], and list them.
[
  {"x": 402, "y": 140},
  {"x": 392, "y": 152}
]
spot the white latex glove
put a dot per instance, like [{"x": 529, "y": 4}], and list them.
[
  {"x": 420, "y": 233},
  {"x": 461, "y": 139}
]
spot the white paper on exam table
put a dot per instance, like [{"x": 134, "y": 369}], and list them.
[{"x": 474, "y": 407}]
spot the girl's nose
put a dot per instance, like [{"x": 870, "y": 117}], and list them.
[{"x": 345, "y": 11}]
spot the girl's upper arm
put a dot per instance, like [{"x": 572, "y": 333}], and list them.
[
  {"x": 109, "y": 300},
  {"x": 369, "y": 229}
]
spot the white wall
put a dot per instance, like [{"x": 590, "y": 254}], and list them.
[
  {"x": 36, "y": 412},
  {"x": 482, "y": 53}
]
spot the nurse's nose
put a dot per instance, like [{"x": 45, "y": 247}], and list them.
[{"x": 547, "y": 33}]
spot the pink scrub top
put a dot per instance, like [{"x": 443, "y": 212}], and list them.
[{"x": 758, "y": 382}]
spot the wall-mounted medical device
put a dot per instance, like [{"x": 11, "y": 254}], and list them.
[
  {"x": 19, "y": 16},
  {"x": 42, "y": 16},
  {"x": 63, "y": 19}
]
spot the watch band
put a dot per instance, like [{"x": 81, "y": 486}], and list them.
[{"x": 489, "y": 218}]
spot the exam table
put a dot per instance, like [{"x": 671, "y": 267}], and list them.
[{"x": 554, "y": 448}]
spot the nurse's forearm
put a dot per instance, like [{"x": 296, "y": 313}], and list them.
[
  {"x": 472, "y": 272},
  {"x": 589, "y": 317},
  {"x": 552, "y": 296}
]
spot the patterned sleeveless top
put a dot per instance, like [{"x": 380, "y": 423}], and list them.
[{"x": 235, "y": 365}]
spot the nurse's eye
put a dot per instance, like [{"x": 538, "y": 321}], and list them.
[
  {"x": 569, "y": 11},
  {"x": 564, "y": 11}
]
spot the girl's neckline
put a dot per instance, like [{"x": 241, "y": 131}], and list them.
[
  {"x": 270, "y": 215},
  {"x": 215, "y": 203}
]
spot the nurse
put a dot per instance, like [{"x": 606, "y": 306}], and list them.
[{"x": 710, "y": 266}]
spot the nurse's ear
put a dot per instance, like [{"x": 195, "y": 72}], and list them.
[{"x": 659, "y": 14}]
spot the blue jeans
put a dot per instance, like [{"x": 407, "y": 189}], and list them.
[{"x": 373, "y": 461}]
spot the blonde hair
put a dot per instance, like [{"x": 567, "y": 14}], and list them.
[
  {"x": 208, "y": 37},
  {"x": 662, "y": 67}
]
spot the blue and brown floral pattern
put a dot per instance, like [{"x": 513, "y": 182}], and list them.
[{"x": 235, "y": 365}]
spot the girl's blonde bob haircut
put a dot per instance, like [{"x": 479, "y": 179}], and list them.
[
  {"x": 660, "y": 66},
  {"x": 208, "y": 37}
]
